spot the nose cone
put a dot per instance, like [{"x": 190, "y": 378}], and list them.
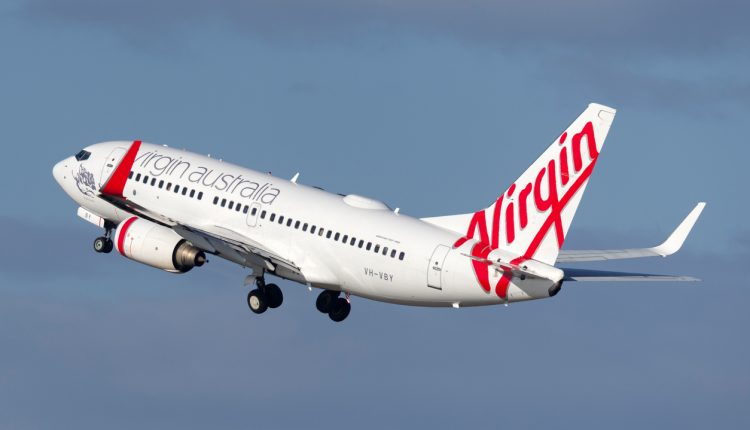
[{"x": 59, "y": 171}]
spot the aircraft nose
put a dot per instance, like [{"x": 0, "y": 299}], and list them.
[{"x": 58, "y": 171}]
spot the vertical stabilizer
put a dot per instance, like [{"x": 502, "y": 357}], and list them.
[{"x": 531, "y": 218}]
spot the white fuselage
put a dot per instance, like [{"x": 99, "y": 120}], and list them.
[{"x": 365, "y": 248}]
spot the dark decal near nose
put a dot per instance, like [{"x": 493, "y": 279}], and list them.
[{"x": 85, "y": 181}]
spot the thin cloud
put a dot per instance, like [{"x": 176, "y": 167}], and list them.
[
  {"x": 654, "y": 26},
  {"x": 40, "y": 250}
]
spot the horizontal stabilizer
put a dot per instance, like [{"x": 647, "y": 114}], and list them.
[
  {"x": 670, "y": 246},
  {"x": 585, "y": 275}
]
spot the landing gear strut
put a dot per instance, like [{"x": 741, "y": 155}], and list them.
[
  {"x": 264, "y": 296},
  {"x": 336, "y": 307},
  {"x": 103, "y": 244}
]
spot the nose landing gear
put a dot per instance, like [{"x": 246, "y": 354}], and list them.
[{"x": 104, "y": 244}]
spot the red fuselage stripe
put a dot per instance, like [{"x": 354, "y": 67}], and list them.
[{"x": 116, "y": 183}]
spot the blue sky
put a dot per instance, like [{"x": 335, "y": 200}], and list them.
[{"x": 431, "y": 106}]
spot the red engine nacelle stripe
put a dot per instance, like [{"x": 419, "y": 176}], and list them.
[
  {"x": 121, "y": 235},
  {"x": 116, "y": 183}
]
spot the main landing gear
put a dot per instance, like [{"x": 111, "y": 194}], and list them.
[
  {"x": 336, "y": 307},
  {"x": 264, "y": 296},
  {"x": 104, "y": 244}
]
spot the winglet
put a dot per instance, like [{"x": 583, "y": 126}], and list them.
[
  {"x": 115, "y": 185},
  {"x": 678, "y": 236}
]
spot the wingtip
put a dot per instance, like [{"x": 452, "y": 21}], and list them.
[{"x": 677, "y": 238}]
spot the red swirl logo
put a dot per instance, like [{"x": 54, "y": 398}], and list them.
[{"x": 562, "y": 184}]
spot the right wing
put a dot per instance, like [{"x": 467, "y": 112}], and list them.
[
  {"x": 669, "y": 247},
  {"x": 585, "y": 275}
]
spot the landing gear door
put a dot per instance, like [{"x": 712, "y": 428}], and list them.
[
  {"x": 435, "y": 269},
  {"x": 252, "y": 214},
  {"x": 110, "y": 163}
]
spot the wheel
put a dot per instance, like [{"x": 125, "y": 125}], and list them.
[
  {"x": 257, "y": 301},
  {"x": 274, "y": 295},
  {"x": 325, "y": 300},
  {"x": 109, "y": 246},
  {"x": 100, "y": 244},
  {"x": 340, "y": 310}
]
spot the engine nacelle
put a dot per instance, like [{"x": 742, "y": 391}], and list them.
[{"x": 157, "y": 246}]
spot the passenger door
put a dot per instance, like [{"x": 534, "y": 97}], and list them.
[
  {"x": 435, "y": 268},
  {"x": 112, "y": 160}
]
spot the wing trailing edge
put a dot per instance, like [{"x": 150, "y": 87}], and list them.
[{"x": 585, "y": 275}]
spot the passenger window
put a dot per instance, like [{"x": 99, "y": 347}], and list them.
[
  {"x": 192, "y": 193},
  {"x": 312, "y": 230},
  {"x": 216, "y": 200},
  {"x": 281, "y": 219},
  {"x": 169, "y": 186},
  {"x": 254, "y": 211},
  {"x": 343, "y": 239},
  {"x": 263, "y": 214},
  {"x": 244, "y": 210},
  {"x": 176, "y": 189},
  {"x": 138, "y": 177},
  {"x": 223, "y": 202},
  {"x": 238, "y": 207},
  {"x": 377, "y": 248},
  {"x": 145, "y": 180},
  {"x": 273, "y": 217},
  {"x": 393, "y": 253},
  {"x": 369, "y": 245},
  {"x": 304, "y": 227},
  {"x": 328, "y": 235},
  {"x": 153, "y": 181},
  {"x": 161, "y": 184},
  {"x": 401, "y": 256},
  {"x": 361, "y": 242},
  {"x": 385, "y": 250},
  {"x": 289, "y": 222},
  {"x": 200, "y": 196},
  {"x": 130, "y": 176},
  {"x": 184, "y": 191},
  {"x": 231, "y": 205},
  {"x": 336, "y": 238},
  {"x": 354, "y": 240},
  {"x": 321, "y": 231},
  {"x": 296, "y": 224}
]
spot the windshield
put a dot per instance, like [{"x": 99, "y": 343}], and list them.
[{"x": 83, "y": 155}]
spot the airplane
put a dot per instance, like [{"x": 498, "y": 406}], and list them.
[{"x": 170, "y": 209}]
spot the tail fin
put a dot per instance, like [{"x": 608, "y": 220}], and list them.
[{"x": 531, "y": 218}]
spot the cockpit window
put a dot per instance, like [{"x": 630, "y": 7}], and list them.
[{"x": 83, "y": 155}]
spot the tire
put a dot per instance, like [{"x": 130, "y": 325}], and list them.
[
  {"x": 100, "y": 244},
  {"x": 257, "y": 301},
  {"x": 340, "y": 310},
  {"x": 109, "y": 246},
  {"x": 325, "y": 300},
  {"x": 274, "y": 295}
]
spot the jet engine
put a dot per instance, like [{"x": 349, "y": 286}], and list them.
[{"x": 156, "y": 246}]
